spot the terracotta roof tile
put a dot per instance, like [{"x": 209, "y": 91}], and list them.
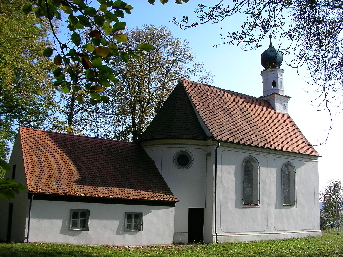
[
  {"x": 229, "y": 116},
  {"x": 242, "y": 119},
  {"x": 175, "y": 120},
  {"x": 83, "y": 166}
]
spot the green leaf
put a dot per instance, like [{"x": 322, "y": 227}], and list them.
[
  {"x": 119, "y": 26},
  {"x": 67, "y": 9},
  {"x": 164, "y": 1},
  {"x": 27, "y": 8},
  {"x": 121, "y": 38},
  {"x": 107, "y": 28},
  {"x": 110, "y": 17},
  {"x": 101, "y": 51},
  {"x": 97, "y": 88},
  {"x": 151, "y": 1},
  {"x": 105, "y": 99},
  {"x": 66, "y": 89},
  {"x": 113, "y": 48},
  {"x": 80, "y": 99},
  {"x": 48, "y": 52},
  {"x": 105, "y": 82},
  {"x": 93, "y": 101},
  {"x": 97, "y": 62},
  {"x": 58, "y": 60},
  {"x": 84, "y": 21},
  {"x": 96, "y": 41},
  {"x": 128, "y": 8},
  {"x": 78, "y": 26},
  {"x": 4, "y": 165},
  {"x": 103, "y": 7},
  {"x": 57, "y": 72},
  {"x": 146, "y": 47},
  {"x": 90, "y": 74},
  {"x": 95, "y": 95},
  {"x": 125, "y": 57},
  {"x": 73, "y": 20},
  {"x": 89, "y": 47},
  {"x": 76, "y": 39},
  {"x": 91, "y": 11},
  {"x": 99, "y": 20}
]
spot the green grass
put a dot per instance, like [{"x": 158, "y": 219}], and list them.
[{"x": 330, "y": 244}]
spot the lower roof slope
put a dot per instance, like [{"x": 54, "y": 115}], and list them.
[
  {"x": 231, "y": 117},
  {"x": 72, "y": 165}
]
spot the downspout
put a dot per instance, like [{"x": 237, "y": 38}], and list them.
[
  {"x": 215, "y": 190},
  {"x": 29, "y": 219}
]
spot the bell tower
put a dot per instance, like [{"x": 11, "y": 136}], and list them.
[{"x": 272, "y": 79}]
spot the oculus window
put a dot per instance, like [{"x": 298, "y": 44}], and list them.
[
  {"x": 183, "y": 159},
  {"x": 288, "y": 184},
  {"x": 133, "y": 221},
  {"x": 251, "y": 182},
  {"x": 79, "y": 220}
]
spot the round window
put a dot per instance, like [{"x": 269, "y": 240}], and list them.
[{"x": 183, "y": 159}]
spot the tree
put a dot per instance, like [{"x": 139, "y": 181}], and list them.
[
  {"x": 9, "y": 188},
  {"x": 311, "y": 30},
  {"x": 83, "y": 60},
  {"x": 332, "y": 204},
  {"x": 26, "y": 90},
  {"x": 144, "y": 82}
]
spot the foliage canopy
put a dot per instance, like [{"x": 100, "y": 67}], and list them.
[
  {"x": 309, "y": 30},
  {"x": 332, "y": 204},
  {"x": 144, "y": 82},
  {"x": 26, "y": 91}
]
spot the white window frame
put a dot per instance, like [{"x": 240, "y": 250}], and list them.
[
  {"x": 75, "y": 223},
  {"x": 135, "y": 222},
  {"x": 288, "y": 187},
  {"x": 254, "y": 185}
]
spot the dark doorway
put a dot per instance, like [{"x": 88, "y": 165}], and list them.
[
  {"x": 195, "y": 225},
  {"x": 9, "y": 223}
]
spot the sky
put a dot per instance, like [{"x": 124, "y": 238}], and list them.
[{"x": 238, "y": 70}]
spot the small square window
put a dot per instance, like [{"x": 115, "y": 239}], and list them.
[
  {"x": 133, "y": 221},
  {"x": 79, "y": 220}
]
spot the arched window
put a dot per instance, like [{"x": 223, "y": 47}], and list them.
[
  {"x": 250, "y": 181},
  {"x": 288, "y": 184}
]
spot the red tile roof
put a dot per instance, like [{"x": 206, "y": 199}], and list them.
[
  {"x": 235, "y": 118},
  {"x": 175, "y": 120},
  {"x": 83, "y": 166}
]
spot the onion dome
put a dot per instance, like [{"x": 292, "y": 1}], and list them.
[{"x": 271, "y": 58}]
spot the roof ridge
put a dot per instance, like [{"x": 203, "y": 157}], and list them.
[
  {"x": 224, "y": 90},
  {"x": 73, "y": 135}
]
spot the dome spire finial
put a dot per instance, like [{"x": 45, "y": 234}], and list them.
[{"x": 271, "y": 58}]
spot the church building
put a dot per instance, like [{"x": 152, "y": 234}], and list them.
[{"x": 213, "y": 166}]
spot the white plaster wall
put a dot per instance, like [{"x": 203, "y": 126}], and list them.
[
  {"x": 50, "y": 223},
  {"x": 270, "y": 215},
  {"x": 267, "y": 78},
  {"x": 20, "y": 203},
  {"x": 188, "y": 185}
]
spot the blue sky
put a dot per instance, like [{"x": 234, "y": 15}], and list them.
[{"x": 238, "y": 70}]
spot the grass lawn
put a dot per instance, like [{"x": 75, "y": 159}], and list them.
[{"x": 330, "y": 244}]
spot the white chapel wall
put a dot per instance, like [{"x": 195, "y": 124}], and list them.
[
  {"x": 189, "y": 185},
  {"x": 50, "y": 223},
  {"x": 20, "y": 203},
  {"x": 270, "y": 215}
]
